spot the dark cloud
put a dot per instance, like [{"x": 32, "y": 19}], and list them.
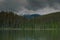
[
  {"x": 39, "y": 4},
  {"x": 16, "y": 5},
  {"x": 36, "y": 4},
  {"x": 10, "y": 5}
]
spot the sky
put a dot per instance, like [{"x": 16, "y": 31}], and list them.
[{"x": 22, "y": 7}]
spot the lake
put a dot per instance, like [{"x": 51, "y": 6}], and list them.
[{"x": 29, "y": 34}]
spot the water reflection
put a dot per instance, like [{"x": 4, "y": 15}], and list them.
[{"x": 30, "y": 35}]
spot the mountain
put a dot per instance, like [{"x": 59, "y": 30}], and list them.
[
  {"x": 51, "y": 20},
  {"x": 31, "y": 16},
  {"x": 11, "y": 20}
]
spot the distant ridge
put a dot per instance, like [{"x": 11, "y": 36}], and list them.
[
  {"x": 52, "y": 16},
  {"x": 31, "y": 16}
]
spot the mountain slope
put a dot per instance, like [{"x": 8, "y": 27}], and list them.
[
  {"x": 9, "y": 19},
  {"x": 47, "y": 21}
]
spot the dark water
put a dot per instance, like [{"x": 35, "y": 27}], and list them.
[{"x": 30, "y": 35}]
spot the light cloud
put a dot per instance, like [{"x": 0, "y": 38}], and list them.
[
  {"x": 46, "y": 10},
  {"x": 43, "y": 11},
  {"x": 30, "y": 6}
]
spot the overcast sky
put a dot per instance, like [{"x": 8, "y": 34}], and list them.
[{"x": 30, "y": 6}]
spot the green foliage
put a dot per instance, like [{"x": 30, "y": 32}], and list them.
[{"x": 11, "y": 20}]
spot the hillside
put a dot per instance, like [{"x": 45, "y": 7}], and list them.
[
  {"x": 47, "y": 21},
  {"x": 11, "y": 20}
]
